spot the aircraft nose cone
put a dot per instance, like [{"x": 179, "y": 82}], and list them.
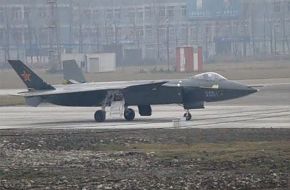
[
  {"x": 251, "y": 90},
  {"x": 243, "y": 90}
]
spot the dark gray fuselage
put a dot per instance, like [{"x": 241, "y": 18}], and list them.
[{"x": 189, "y": 92}]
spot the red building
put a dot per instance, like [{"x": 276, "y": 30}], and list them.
[{"x": 189, "y": 59}]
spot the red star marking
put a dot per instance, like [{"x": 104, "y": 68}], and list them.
[{"x": 26, "y": 76}]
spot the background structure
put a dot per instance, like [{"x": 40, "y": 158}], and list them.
[{"x": 143, "y": 31}]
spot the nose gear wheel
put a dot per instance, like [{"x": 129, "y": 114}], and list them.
[{"x": 187, "y": 116}]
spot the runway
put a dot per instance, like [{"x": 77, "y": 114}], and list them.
[
  {"x": 269, "y": 108},
  {"x": 211, "y": 117}
]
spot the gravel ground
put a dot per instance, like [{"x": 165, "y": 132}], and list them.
[{"x": 145, "y": 159}]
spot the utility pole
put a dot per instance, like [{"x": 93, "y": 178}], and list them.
[
  {"x": 7, "y": 37},
  {"x": 29, "y": 28},
  {"x": 70, "y": 27},
  {"x": 80, "y": 12},
  {"x": 253, "y": 26},
  {"x": 283, "y": 22},
  {"x": 54, "y": 47},
  {"x": 275, "y": 39},
  {"x": 156, "y": 15},
  {"x": 264, "y": 26},
  {"x": 168, "y": 46}
]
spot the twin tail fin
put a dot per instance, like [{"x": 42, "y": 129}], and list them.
[{"x": 30, "y": 79}]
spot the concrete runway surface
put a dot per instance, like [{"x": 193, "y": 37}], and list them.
[{"x": 269, "y": 108}]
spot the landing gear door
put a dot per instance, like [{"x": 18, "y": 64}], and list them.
[{"x": 192, "y": 98}]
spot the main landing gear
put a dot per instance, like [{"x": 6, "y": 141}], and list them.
[
  {"x": 129, "y": 115},
  {"x": 100, "y": 116},
  {"x": 187, "y": 115}
]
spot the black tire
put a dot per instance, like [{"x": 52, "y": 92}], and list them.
[
  {"x": 129, "y": 114},
  {"x": 187, "y": 116},
  {"x": 100, "y": 116}
]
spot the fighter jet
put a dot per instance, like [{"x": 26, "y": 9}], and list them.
[
  {"x": 72, "y": 73},
  {"x": 191, "y": 93}
]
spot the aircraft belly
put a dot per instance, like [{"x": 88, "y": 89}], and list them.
[{"x": 162, "y": 95}]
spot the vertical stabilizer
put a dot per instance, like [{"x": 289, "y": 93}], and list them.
[
  {"x": 30, "y": 79},
  {"x": 71, "y": 71}
]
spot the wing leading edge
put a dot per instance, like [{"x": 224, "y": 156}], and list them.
[{"x": 92, "y": 87}]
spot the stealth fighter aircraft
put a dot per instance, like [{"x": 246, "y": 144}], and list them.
[{"x": 191, "y": 93}]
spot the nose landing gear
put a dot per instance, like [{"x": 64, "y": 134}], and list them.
[{"x": 187, "y": 115}]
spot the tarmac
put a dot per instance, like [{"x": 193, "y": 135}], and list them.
[{"x": 269, "y": 108}]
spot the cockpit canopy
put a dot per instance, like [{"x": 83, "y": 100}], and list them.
[{"x": 209, "y": 76}]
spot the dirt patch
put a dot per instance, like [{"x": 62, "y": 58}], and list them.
[
  {"x": 11, "y": 100},
  {"x": 145, "y": 159}
]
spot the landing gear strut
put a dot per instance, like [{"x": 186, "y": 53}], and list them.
[
  {"x": 100, "y": 116},
  {"x": 111, "y": 97},
  {"x": 129, "y": 114},
  {"x": 187, "y": 115}
]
